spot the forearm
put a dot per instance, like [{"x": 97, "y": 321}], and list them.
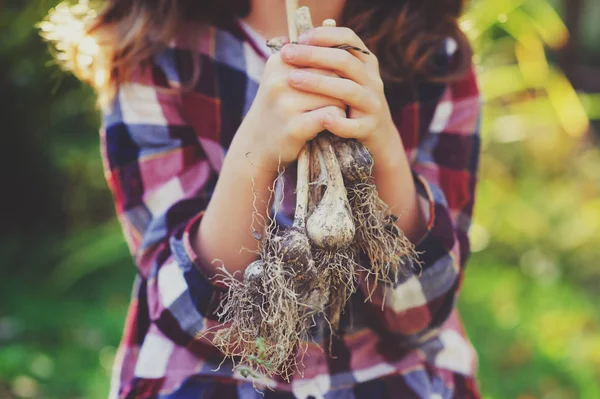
[
  {"x": 396, "y": 187},
  {"x": 419, "y": 302},
  {"x": 238, "y": 206}
]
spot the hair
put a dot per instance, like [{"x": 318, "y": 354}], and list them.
[{"x": 104, "y": 45}]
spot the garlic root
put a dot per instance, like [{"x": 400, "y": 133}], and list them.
[{"x": 377, "y": 235}]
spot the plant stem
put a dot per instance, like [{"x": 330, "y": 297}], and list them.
[
  {"x": 335, "y": 180},
  {"x": 302, "y": 188},
  {"x": 290, "y": 7},
  {"x": 303, "y": 20},
  {"x": 304, "y": 156}
]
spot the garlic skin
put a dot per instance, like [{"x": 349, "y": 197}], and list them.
[
  {"x": 295, "y": 249},
  {"x": 356, "y": 162},
  {"x": 330, "y": 226},
  {"x": 303, "y": 20},
  {"x": 254, "y": 272},
  {"x": 296, "y": 257}
]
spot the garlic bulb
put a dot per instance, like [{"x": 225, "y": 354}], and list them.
[{"x": 330, "y": 225}]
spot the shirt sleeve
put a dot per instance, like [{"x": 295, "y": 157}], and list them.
[
  {"x": 162, "y": 173},
  {"x": 444, "y": 167}
]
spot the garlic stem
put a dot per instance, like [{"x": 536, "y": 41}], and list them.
[
  {"x": 299, "y": 21},
  {"x": 335, "y": 179},
  {"x": 290, "y": 7},
  {"x": 303, "y": 20},
  {"x": 318, "y": 176},
  {"x": 302, "y": 188},
  {"x": 314, "y": 173}
]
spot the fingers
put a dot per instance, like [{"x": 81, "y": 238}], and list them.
[
  {"x": 332, "y": 36},
  {"x": 307, "y": 125},
  {"x": 297, "y": 101},
  {"x": 276, "y": 66},
  {"x": 349, "y": 128},
  {"x": 340, "y": 61},
  {"x": 286, "y": 99},
  {"x": 323, "y": 72},
  {"x": 346, "y": 90}
]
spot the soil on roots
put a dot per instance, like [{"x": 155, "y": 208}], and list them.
[
  {"x": 337, "y": 270},
  {"x": 266, "y": 322}
]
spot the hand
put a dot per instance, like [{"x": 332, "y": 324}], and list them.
[
  {"x": 358, "y": 84},
  {"x": 282, "y": 118}
]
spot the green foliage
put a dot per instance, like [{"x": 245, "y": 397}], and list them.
[
  {"x": 528, "y": 295},
  {"x": 535, "y": 339},
  {"x": 527, "y": 299},
  {"x": 537, "y": 197},
  {"x": 66, "y": 271}
]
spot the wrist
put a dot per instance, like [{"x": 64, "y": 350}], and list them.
[
  {"x": 388, "y": 152},
  {"x": 250, "y": 143},
  {"x": 250, "y": 159}
]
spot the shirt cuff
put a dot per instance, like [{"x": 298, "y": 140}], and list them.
[
  {"x": 188, "y": 259},
  {"x": 426, "y": 202}
]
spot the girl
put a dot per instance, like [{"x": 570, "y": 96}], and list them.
[{"x": 198, "y": 116}]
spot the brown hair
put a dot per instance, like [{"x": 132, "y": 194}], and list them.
[{"x": 104, "y": 47}]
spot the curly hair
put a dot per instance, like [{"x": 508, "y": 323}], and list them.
[{"x": 105, "y": 42}]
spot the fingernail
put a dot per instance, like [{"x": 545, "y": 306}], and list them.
[
  {"x": 297, "y": 76},
  {"x": 289, "y": 52}
]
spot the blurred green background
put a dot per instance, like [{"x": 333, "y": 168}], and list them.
[{"x": 530, "y": 294}]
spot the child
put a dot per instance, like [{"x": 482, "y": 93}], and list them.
[{"x": 198, "y": 117}]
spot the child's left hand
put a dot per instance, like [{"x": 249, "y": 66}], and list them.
[{"x": 359, "y": 85}]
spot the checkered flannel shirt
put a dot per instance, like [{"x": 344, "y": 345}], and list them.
[{"x": 162, "y": 155}]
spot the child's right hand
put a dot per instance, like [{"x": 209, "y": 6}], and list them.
[{"x": 282, "y": 119}]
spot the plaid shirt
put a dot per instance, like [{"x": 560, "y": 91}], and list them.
[{"x": 162, "y": 154}]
